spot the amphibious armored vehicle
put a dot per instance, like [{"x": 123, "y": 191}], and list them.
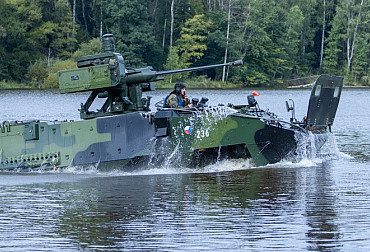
[{"x": 124, "y": 132}]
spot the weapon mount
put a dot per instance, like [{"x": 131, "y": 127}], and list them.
[{"x": 107, "y": 77}]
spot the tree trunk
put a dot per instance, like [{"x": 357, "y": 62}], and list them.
[
  {"x": 227, "y": 40},
  {"x": 83, "y": 14},
  {"x": 172, "y": 21},
  {"x": 155, "y": 8},
  {"x": 74, "y": 17},
  {"x": 164, "y": 31},
  {"x": 221, "y": 4},
  {"x": 101, "y": 20},
  {"x": 323, "y": 35},
  {"x": 49, "y": 66},
  {"x": 351, "y": 44}
]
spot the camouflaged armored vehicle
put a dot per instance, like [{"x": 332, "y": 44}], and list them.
[{"x": 124, "y": 132}]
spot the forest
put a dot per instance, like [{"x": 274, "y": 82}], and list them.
[{"x": 278, "y": 40}]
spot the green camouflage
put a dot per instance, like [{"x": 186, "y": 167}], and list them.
[
  {"x": 125, "y": 131},
  {"x": 58, "y": 144}
]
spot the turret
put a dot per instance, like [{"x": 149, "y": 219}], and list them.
[{"x": 106, "y": 76}]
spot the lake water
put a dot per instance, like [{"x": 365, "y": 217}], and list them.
[{"x": 320, "y": 204}]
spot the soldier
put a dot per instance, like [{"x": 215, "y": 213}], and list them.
[{"x": 177, "y": 98}]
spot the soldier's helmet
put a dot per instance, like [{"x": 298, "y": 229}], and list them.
[{"x": 178, "y": 87}]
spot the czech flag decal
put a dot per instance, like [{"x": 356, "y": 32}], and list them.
[{"x": 188, "y": 130}]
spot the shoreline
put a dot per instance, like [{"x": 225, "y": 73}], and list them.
[
  {"x": 310, "y": 85},
  {"x": 201, "y": 88},
  {"x": 18, "y": 86}
]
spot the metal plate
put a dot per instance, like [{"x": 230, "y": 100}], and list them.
[{"x": 324, "y": 100}]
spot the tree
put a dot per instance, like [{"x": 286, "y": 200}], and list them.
[
  {"x": 342, "y": 37},
  {"x": 191, "y": 44},
  {"x": 323, "y": 35},
  {"x": 227, "y": 39},
  {"x": 353, "y": 23},
  {"x": 360, "y": 66},
  {"x": 129, "y": 21},
  {"x": 291, "y": 39},
  {"x": 262, "y": 49},
  {"x": 33, "y": 29},
  {"x": 94, "y": 46},
  {"x": 278, "y": 39},
  {"x": 173, "y": 62},
  {"x": 333, "y": 53},
  {"x": 172, "y": 21}
]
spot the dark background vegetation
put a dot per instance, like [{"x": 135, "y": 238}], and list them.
[{"x": 278, "y": 40}]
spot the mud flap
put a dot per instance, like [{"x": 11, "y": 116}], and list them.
[{"x": 324, "y": 101}]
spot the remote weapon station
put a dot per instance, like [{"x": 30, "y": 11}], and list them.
[{"x": 124, "y": 132}]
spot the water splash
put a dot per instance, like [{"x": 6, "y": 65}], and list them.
[
  {"x": 227, "y": 165},
  {"x": 158, "y": 147},
  {"x": 215, "y": 114},
  {"x": 212, "y": 116},
  {"x": 306, "y": 145},
  {"x": 218, "y": 154},
  {"x": 79, "y": 169},
  {"x": 203, "y": 120},
  {"x": 172, "y": 157},
  {"x": 330, "y": 149},
  {"x": 166, "y": 154},
  {"x": 313, "y": 149}
]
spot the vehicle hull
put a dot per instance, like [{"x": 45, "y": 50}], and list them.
[{"x": 146, "y": 139}]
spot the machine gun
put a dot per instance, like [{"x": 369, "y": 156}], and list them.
[{"x": 107, "y": 77}]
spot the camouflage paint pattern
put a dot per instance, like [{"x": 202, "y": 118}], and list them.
[
  {"x": 120, "y": 137},
  {"x": 126, "y": 137}
]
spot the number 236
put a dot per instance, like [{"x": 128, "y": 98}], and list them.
[{"x": 202, "y": 133}]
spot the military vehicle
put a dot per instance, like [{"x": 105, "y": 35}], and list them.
[{"x": 125, "y": 132}]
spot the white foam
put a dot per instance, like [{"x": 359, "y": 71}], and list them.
[
  {"x": 227, "y": 165},
  {"x": 304, "y": 162},
  {"x": 220, "y": 166},
  {"x": 86, "y": 169},
  {"x": 307, "y": 155},
  {"x": 330, "y": 148}
]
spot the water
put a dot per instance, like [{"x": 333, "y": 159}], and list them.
[{"x": 321, "y": 203}]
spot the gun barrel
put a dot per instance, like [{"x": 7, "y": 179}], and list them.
[{"x": 234, "y": 63}]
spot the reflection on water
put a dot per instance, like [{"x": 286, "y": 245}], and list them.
[
  {"x": 319, "y": 204},
  {"x": 323, "y": 232},
  {"x": 253, "y": 208}
]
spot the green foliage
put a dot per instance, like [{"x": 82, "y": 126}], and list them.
[
  {"x": 254, "y": 77},
  {"x": 37, "y": 72},
  {"x": 360, "y": 66},
  {"x": 291, "y": 39},
  {"x": 130, "y": 22},
  {"x": 88, "y": 48},
  {"x": 201, "y": 82},
  {"x": 365, "y": 80},
  {"x": 191, "y": 45},
  {"x": 32, "y": 29},
  {"x": 174, "y": 62},
  {"x": 57, "y": 65},
  {"x": 15, "y": 85},
  {"x": 277, "y": 39},
  {"x": 334, "y": 54}
]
